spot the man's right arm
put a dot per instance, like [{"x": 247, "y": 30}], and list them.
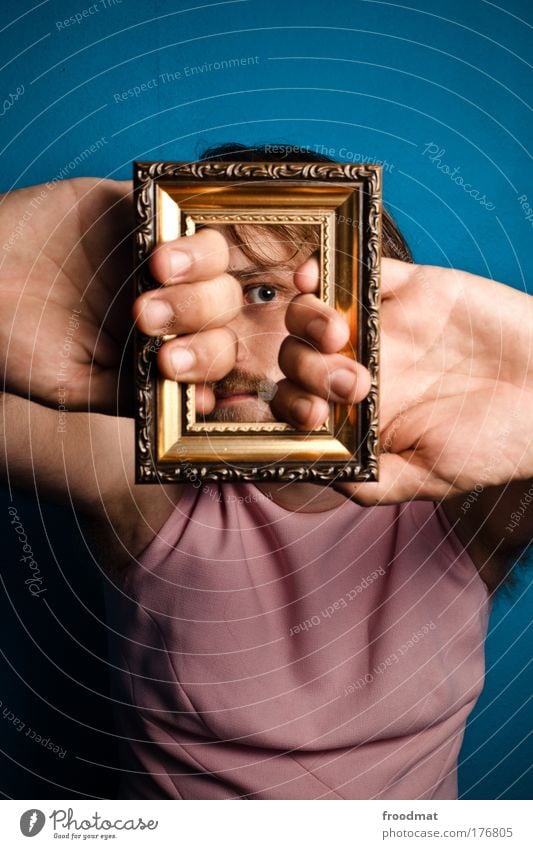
[
  {"x": 66, "y": 298},
  {"x": 85, "y": 460}
]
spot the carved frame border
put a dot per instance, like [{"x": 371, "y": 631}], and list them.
[{"x": 367, "y": 178}]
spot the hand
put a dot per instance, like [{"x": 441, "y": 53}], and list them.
[
  {"x": 206, "y": 306},
  {"x": 197, "y": 300},
  {"x": 66, "y": 291},
  {"x": 456, "y": 385},
  {"x": 317, "y": 373}
]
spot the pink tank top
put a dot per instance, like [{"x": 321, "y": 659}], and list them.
[{"x": 265, "y": 654}]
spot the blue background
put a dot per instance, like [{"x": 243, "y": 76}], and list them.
[{"x": 358, "y": 80}]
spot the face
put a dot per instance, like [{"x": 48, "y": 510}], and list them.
[{"x": 268, "y": 287}]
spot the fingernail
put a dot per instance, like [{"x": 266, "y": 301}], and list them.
[
  {"x": 159, "y": 314},
  {"x": 179, "y": 263},
  {"x": 300, "y": 409},
  {"x": 316, "y": 328},
  {"x": 342, "y": 382},
  {"x": 182, "y": 360}
]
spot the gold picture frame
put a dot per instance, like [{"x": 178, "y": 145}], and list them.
[{"x": 344, "y": 202}]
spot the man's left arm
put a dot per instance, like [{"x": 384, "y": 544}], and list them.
[
  {"x": 495, "y": 524},
  {"x": 456, "y": 401}
]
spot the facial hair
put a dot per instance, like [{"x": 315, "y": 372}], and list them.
[{"x": 262, "y": 389}]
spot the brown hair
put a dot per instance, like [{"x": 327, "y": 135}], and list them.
[
  {"x": 302, "y": 238},
  {"x": 393, "y": 243}
]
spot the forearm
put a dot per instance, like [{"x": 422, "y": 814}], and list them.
[
  {"x": 495, "y": 524},
  {"x": 509, "y": 512},
  {"x": 74, "y": 458},
  {"x": 85, "y": 461}
]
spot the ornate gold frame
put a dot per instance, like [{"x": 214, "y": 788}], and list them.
[{"x": 345, "y": 201}]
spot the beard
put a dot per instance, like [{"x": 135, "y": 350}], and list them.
[{"x": 255, "y": 409}]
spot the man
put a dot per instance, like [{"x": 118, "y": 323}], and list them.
[{"x": 274, "y": 641}]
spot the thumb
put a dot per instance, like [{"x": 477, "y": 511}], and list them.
[{"x": 307, "y": 276}]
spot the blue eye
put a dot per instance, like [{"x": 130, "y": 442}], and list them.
[{"x": 263, "y": 294}]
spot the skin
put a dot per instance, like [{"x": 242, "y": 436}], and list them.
[
  {"x": 239, "y": 329},
  {"x": 455, "y": 363}
]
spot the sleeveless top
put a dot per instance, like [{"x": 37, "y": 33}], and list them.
[{"x": 258, "y": 653}]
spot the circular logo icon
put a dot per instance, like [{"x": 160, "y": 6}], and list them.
[{"x": 32, "y": 822}]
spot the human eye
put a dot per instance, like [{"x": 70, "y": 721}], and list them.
[{"x": 262, "y": 293}]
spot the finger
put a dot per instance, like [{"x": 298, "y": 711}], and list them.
[
  {"x": 308, "y": 318},
  {"x": 190, "y": 258},
  {"x": 202, "y": 357},
  {"x": 333, "y": 377},
  {"x": 307, "y": 276},
  {"x": 204, "y": 399},
  {"x": 395, "y": 276},
  {"x": 402, "y": 477},
  {"x": 298, "y": 408},
  {"x": 188, "y": 307}
]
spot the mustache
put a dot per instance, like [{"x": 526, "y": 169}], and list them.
[{"x": 243, "y": 381}]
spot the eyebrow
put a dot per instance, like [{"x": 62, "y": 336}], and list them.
[{"x": 251, "y": 271}]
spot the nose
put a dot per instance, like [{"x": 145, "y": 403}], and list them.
[{"x": 244, "y": 333}]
